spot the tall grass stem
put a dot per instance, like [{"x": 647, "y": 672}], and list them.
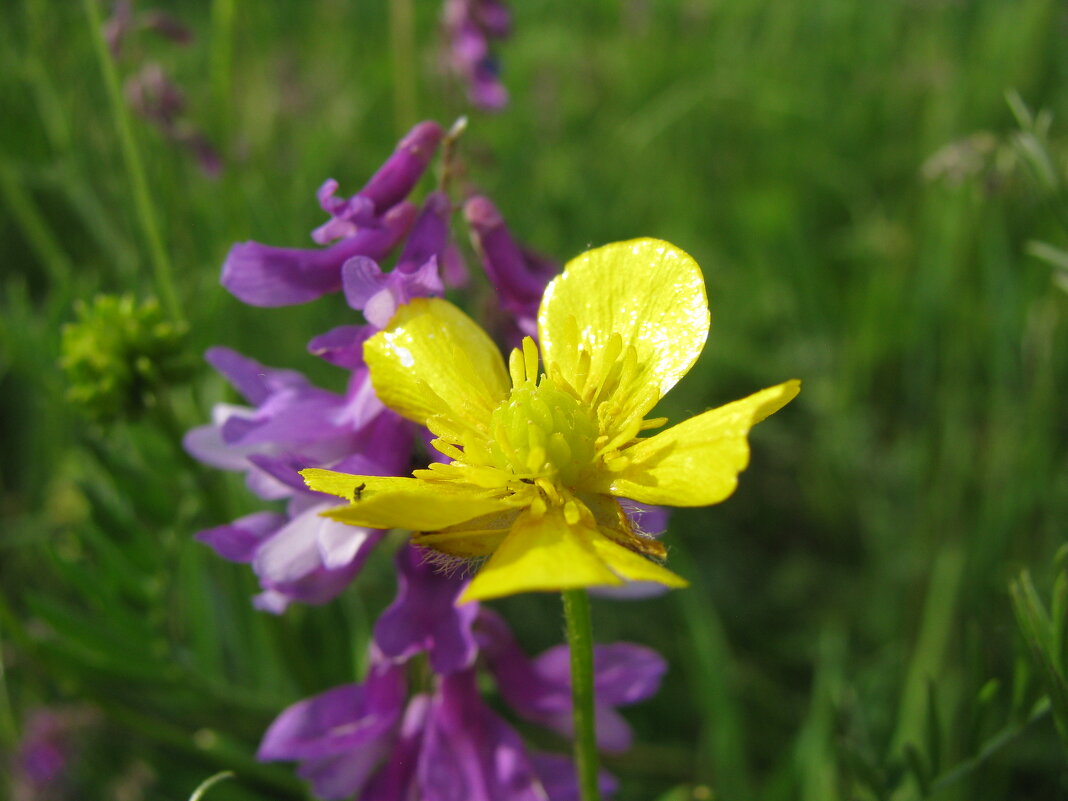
[
  {"x": 146, "y": 212},
  {"x": 580, "y": 642}
]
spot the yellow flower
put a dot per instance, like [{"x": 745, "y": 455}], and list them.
[{"x": 538, "y": 462}]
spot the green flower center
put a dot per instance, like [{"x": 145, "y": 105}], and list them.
[{"x": 542, "y": 432}]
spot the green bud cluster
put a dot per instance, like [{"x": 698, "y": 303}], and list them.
[{"x": 118, "y": 355}]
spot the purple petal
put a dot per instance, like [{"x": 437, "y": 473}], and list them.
[
  {"x": 402, "y": 170},
  {"x": 519, "y": 281},
  {"x": 430, "y": 232},
  {"x": 261, "y": 275},
  {"x": 347, "y": 215},
  {"x": 338, "y": 720},
  {"x": 206, "y": 443},
  {"x": 540, "y": 690},
  {"x": 238, "y": 541},
  {"x": 254, "y": 381},
  {"x": 361, "y": 279},
  {"x": 362, "y": 405},
  {"x": 425, "y": 616},
  {"x": 342, "y": 346},
  {"x": 393, "y": 782},
  {"x": 338, "y": 777},
  {"x": 383, "y": 447},
  {"x": 624, "y": 673},
  {"x": 293, "y": 552},
  {"x": 558, "y": 776},
  {"x": 284, "y": 469},
  {"x": 469, "y": 754},
  {"x": 495, "y": 18},
  {"x": 291, "y": 562},
  {"x": 648, "y": 519}
]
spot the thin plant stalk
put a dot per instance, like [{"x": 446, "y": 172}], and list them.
[
  {"x": 402, "y": 46},
  {"x": 580, "y": 642},
  {"x": 146, "y": 213}
]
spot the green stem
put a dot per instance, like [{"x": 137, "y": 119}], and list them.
[
  {"x": 402, "y": 36},
  {"x": 580, "y": 641},
  {"x": 146, "y": 214},
  {"x": 222, "y": 46}
]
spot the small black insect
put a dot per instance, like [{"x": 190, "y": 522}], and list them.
[{"x": 358, "y": 492}]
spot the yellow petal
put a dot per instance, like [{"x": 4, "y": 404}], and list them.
[
  {"x": 432, "y": 359},
  {"x": 409, "y": 503},
  {"x": 471, "y": 539},
  {"x": 649, "y": 294},
  {"x": 634, "y": 567},
  {"x": 696, "y": 463},
  {"x": 541, "y": 554}
]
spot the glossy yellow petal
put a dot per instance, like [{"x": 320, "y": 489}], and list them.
[
  {"x": 643, "y": 294},
  {"x": 696, "y": 463},
  {"x": 634, "y": 567},
  {"x": 432, "y": 359},
  {"x": 409, "y": 503},
  {"x": 541, "y": 554}
]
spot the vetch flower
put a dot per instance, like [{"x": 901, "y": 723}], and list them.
[{"x": 537, "y": 467}]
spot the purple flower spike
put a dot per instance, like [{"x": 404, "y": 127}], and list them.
[
  {"x": 518, "y": 276},
  {"x": 425, "y": 616},
  {"x": 262, "y": 275}
]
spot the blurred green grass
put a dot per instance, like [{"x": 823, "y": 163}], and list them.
[{"x": 868, "y": 550}]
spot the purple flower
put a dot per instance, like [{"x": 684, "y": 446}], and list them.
[
  {"x": 518, "y": 275},
  {"x": 540, "y": 689},
  {"x": 470, "y": 26},
  {"x": 298, "y": 555}
]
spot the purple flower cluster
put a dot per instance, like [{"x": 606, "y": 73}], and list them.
[
  {"x": 402, "y": 735},
  {"x": 150, "y": 92},
  {"x": 417, "y": 725},
  {"x": 470, "y": 26}
]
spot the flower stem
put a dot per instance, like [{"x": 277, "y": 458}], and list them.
[
  {"x": 580, "y": 641},
  {"x": 146, "y": 213}
]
